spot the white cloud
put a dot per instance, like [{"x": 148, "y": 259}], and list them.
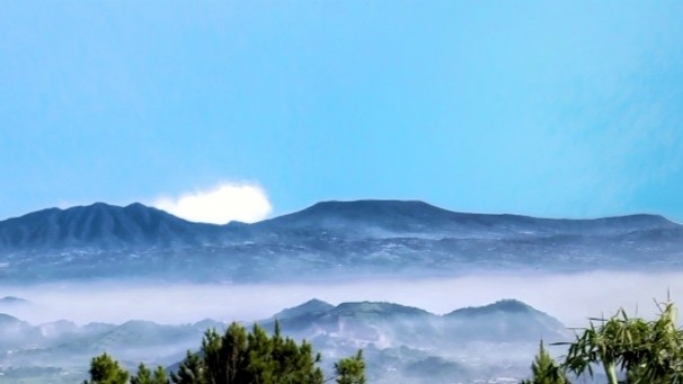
[{"x": 227, "y": 202}]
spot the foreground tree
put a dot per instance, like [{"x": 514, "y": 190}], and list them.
[
  {"x": 545, "y": 370},
  {"x": 105, "y": 370},
  {"x": 350, "y": 370},
  {"x": 645, "y": 352},
  {"x": 191, "y": 371},
  {"x": 250, "y": 357},
  {"x": 145, "y": 376},
  {"x": 662, "y": 359}
]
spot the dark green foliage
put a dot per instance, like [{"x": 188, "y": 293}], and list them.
[
  {"x": 240, "y": 357},
  {"x": 191, "y": 371},
  {"x": 662, "y": 360},
  {"x": 351, "y": 370},
  {"x": 145, "y": 376},
  {"x": 545, "y": 370},
  {"x": 646, "y": 352},
  {"x": 105, "y": 370}
]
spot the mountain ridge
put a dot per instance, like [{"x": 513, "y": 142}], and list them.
[
  {"x": 101, "y": 224},
  {"x": 109, "y": 226},
  {"x": 352, "y": 239},
  {"x": 331, "y": 206}
]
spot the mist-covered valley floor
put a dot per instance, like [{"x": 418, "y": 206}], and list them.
[
  {"x": 569, "y": 297},
  {"x": 420, "y": 330}
]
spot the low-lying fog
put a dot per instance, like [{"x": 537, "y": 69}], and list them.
[{"x": 570, "y": 298}]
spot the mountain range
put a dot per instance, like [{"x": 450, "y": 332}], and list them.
[
  {"x": 328, "y": 239},
  {"x": 398, "y": 341}
]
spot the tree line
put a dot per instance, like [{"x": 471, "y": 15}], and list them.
[{"x": 237, "y": 356}]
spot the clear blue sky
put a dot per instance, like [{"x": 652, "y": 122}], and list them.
[{"x": 549, "y": 108}]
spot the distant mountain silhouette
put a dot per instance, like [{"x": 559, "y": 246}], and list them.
[
  {"x": 309, "y": 308},
  {"x": 376, "y": 309},
  {"x": 109, "y": 227},
  {"x": 510, "y": 319},
  {"x": 12, "y": 301},
  {"x": 396, "y": 217},
  {"x": 103, "y": 226},
  {"x": 503, "y": 321},
  {"x": 502, "y": 306},
  {"x": 328, "y": 239}
]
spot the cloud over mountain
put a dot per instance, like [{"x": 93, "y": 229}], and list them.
[{"x": 227, "y": 202}]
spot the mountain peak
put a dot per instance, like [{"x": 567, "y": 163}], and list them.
[
  {"x": 369, "y": 208},
  {"x": 100, "y": 225},
  {"x": 501, "y": 306},
  {"x": 510, "y": 305},
  {"x": 360, "y": 215},
  {"x": 378, "y": 308},
  {"x": 506, "y": 319},
  {"x": 330, "y": 205},
  {"x": 313, "y": 306}
]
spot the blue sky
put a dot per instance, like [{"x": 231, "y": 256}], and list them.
[{"x": 562, "y": 109}]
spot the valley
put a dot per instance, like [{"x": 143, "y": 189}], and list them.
[{"x": 398, "y": 341}]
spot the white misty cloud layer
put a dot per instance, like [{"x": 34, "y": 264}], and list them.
[
  {"x": 227, "y": 202},
  {"x": 571, "y": 298}
]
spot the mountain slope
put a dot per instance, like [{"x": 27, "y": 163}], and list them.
[
  {"x": 509, "y": 320},
  {"x": 381, "y": 218},
  {"x": 103, "y": 226},
  {"x": 308, "y": 309},
  {"x": 327, "y": 240},
  {"x": 135, "y": 225}
]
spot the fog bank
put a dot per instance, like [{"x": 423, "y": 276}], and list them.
[{"x": 570, "y": 298}]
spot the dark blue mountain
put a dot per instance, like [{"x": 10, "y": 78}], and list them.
[
  {"x": 373, "y": 218},
  {"x": 136, "y": 225},
  {"x": 103, "y": 226},
  {"x": 327, "y": 240}
]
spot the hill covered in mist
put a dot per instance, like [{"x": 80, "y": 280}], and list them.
[{"x": 399, "y": 341}]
